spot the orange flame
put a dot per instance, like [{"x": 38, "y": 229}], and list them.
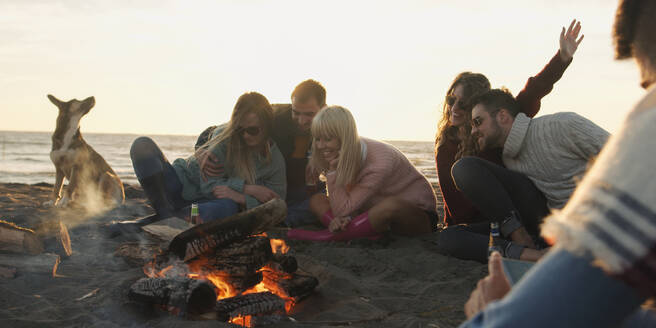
[
  {"x": 198, "y": 270},
  {"x": 278, "y": 246}
]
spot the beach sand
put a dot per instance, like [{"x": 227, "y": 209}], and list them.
[{"x": 392, "y": 282}]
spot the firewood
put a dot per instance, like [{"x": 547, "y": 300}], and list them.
[
  {"x": 45, "y": 263},
  {"x": 247, "y": 246},
  {"x": 182, "y": 294},
  {"x": 18, "y": 240},
  {"x": 296, "y": 286},
  {"x": 283, "y": 263},
  {"x": 249, "y": 304},
  {"x": 208, "y": 236},
  {"x": 137, "y": 254}
]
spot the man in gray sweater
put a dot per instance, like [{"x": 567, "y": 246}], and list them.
[{"x": 543, "y": 156}]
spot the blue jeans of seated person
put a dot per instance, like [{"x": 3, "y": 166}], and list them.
[
  {"x": 148, "y": 160},
  {"x": 298, "y": 207},
  {"x": 564, "y": 290}
]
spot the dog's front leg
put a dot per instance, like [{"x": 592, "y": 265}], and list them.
[
  {"x": 56, "y": 191},
  {"x": 73, "y": 181}
]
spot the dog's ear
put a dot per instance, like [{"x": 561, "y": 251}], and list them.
[{"x": 55, "y": 101}]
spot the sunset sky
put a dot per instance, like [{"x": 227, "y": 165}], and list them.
[{"x": 175, "y": 67}]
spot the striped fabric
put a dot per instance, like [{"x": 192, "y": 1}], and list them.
[{"x": 612, "y": 214}]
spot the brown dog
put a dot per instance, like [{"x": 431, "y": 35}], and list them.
[{"x": 92, "y": 183}]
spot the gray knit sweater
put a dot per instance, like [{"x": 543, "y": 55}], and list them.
[{"x": 552, "y": 151}]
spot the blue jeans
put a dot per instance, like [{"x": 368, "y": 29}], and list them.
[
  {"x": 298, "y": 207},
  {"x": 564, "y": 290},
  {"x": 148, "y": 160}
]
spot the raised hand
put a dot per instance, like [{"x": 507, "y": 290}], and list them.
[{"x": 568, "y": 40}]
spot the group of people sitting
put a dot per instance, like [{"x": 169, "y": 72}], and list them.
[{"x": 495, "y": 161}]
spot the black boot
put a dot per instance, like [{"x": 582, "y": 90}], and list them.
[{"x": 155, "y": 189}]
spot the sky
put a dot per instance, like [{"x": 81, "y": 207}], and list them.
[{"x": 176, "y": 67}]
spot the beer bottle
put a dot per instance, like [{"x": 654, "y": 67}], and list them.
[
  {"x": 194, "y": 218},
  {"x": 493, "y": 245}
]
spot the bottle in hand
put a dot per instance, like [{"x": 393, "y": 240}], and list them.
[{"x": 493, "y": 245}]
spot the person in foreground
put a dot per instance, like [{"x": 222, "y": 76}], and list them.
[
  {"x": 250, "y": 167},
  {"x": 602, "y": 267},
  {"x": 291, "y": 132},
  {"x": 371, "y": 186},
  {"x": 466, "y": 232}
]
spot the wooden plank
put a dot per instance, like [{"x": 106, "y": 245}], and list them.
[
  {"x": 45, "y": 263},
  {"x": 210, "y": 235},
  {"x": 18, "y": 240}
]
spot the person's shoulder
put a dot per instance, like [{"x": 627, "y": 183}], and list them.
[{"x": 282, "y": 111}]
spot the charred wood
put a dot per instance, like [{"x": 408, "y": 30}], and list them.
[
  {"x": 45, "y": 263},
  {"x": 283, "y": 263},
  {"x": 183, "y": 294},
  {"x": 18, "y": 240},
  {"x": 249, "y": 304},
  {"x": 295, "y": 286},
  {"x": 208, "y": 236}
]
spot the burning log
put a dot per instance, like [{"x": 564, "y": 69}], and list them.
[
  {"x": 43, "y": 263},
  {"x": 18, "y": 240},
  {"x": 296, "y": 286},
  {"x": 184, "y": 294},
  {"x": 241, "y": 258},
  {"x": 249, "y": 304},
  {"x": 243, "y": 283},
  {"x": 208, "y": 236},
  {"x": 283, "y": 263}
]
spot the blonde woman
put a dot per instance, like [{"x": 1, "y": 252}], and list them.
[
  {"x": 372, "y": 187},
  {"x": 251, "y": 169}
]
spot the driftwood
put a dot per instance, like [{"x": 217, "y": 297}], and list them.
[
  {"x": 211, "y": 235},
  {"x": 18, "y": 240},
  {"x": 185, "y": 295},
  {"x": 54, "y": 232},
  {"x": 249, "y": 304},
  {"x": 45, "y": 263}
]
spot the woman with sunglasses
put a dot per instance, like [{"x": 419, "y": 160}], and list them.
[
  {"x": 252, "y": 168},
  {"x": 467, "y": 229},
  {"x": 371, "y": 186}
]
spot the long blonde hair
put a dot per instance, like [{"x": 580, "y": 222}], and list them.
[
  {"x": 337, "y": 122},
  {"x": 473, "y": 84},
  {"x": 239, "y": 160}
]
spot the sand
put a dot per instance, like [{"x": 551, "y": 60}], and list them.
[{"x": 392, "y": 282}]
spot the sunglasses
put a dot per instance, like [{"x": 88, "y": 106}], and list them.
[
  {"x": 251, "y": 130},
  {"x": 477, "y": 121},
  {"x": 452, "y": 101}
]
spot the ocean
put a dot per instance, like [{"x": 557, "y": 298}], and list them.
[{"x": 25, "y": 156}]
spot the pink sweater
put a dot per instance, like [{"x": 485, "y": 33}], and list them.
[{"x": 386, "y": 172}]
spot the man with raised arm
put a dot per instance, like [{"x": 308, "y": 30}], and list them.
[{"x": 601, "y": 268}]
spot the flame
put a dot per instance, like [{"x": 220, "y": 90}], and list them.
[
  {"x": 197, "y": 269},
  {"x": 278, "y": 246}
]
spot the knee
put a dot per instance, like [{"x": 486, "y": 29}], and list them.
[
  {"x": 448, "y": 239},
  {"x": 462, "y": 170},
  {"x": 392, "y": 206},
  {"x": 142, "y": 147}
]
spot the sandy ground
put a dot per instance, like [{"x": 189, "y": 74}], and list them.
[{"x": 392, "y": 282}]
